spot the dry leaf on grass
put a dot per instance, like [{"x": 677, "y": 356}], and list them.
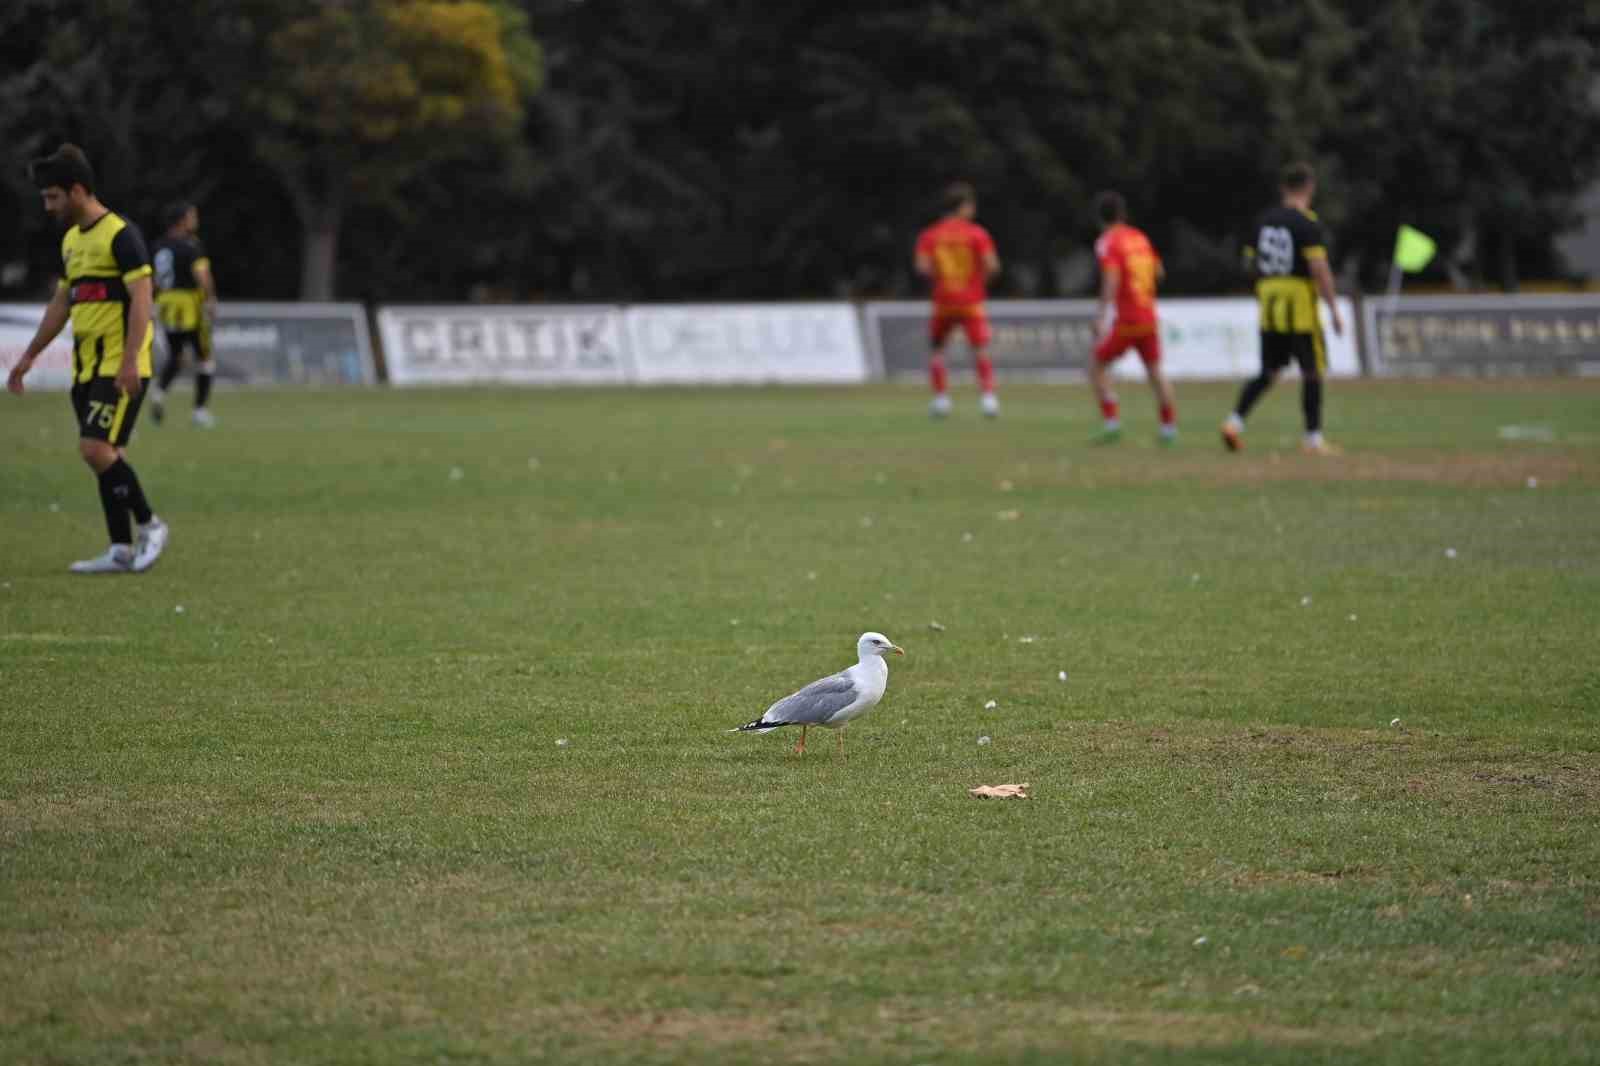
[{"x": 1000, "y": 791}]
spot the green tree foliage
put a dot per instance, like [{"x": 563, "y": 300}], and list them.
[
  {"x": 349, "y": 102},
  {"x": 607, "y": 149}
]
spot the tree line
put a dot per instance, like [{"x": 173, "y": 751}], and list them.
[{"x": 739, "y": 149}]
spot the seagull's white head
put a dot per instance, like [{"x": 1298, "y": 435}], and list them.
[{"x": 876, "y": 644}]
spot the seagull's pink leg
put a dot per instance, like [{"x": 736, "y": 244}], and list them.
[
  {"x": 800, "y": 748},
  {"x": 841, "y": 741}
]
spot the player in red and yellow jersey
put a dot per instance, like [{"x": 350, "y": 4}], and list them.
[
  {"x": 959, "y": 257},
  {"x": 1129, "y": 272}
]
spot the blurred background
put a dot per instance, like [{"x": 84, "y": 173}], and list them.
[{"x": 602, "y": 150}]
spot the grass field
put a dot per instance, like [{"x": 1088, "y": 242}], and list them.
[{"x": 300, "y": 794}]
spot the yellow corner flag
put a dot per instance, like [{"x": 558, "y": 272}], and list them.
[{"x": 1413, "y": 249}]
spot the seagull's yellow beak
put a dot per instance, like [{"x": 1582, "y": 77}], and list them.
[{"x": 897, "y": 649}]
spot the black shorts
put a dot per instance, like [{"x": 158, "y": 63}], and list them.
[
  {"x": 104, "y": 411},
  {"x": 197, "y": 341},
  {"x": 1278, "y": 350}
]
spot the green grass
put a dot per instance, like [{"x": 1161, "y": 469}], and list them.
[{"x": 321, "y": 816}]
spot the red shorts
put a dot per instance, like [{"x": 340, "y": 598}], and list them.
[
  {"x": 973, "y": 320},
  {"x": 1143, "y": 337}
]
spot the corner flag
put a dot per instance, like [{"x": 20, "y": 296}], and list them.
[{"x": 1413, "y": 249}]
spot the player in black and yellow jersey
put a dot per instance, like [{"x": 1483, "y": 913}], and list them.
[
  {"x": 1289, "y": 258},
  {"x": 105, "y": 291},
  {"x": 186, "y": 303}
]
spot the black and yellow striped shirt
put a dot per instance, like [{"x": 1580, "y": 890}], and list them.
[
  {"x": 180, "y": 300},
  {"x": 1287, "y": 241},
  {"x": 98, "y": 262}
]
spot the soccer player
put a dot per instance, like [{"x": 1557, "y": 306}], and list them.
[
  {"x": 186, "y": 302},
  {"x": 1129, "y": 271},
  {"x": 105, "y": 291},
  {"x": 959, "y": 257},
  {"x": 1289, "y": 258}
]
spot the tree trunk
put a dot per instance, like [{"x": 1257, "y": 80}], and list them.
[{"x": 319, "y": 252}]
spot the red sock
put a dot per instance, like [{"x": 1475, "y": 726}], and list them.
[
  {"x": 1169, "y": 415},
  {"x": 936, "y": 373},
  {"x": 1108, "y": 408},
  {"x": 985, "y": 372}
]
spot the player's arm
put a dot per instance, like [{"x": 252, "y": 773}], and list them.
[
  {"x": 55, "y": 318},
  {"x": 1322, "y": 277},
  {"x": 133, "y": 259},
  {"x": 923, "y": 262},
  {"x": 208, "y": 285},
  {"x": 991, "y": 262},
  {"x": 1110, "y": 282},
  {"x": 140, "y": 300}
]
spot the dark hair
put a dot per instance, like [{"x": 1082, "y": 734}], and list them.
[
  {"x": 63, "y": 168},
  {"x": 1110, "y": 207},
  {"x": 174, "y": 213},
  {"x": 1296, "y": 177},
  {"x": 957, "y": 194}
]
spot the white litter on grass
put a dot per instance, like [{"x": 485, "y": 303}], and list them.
[
  {"x": 991, "y": 705},
  {"x": 966, "y": 538},
  {"x": 1533, "y": 482},
  {"x": 1449, "y": 553},
  {"x": 733, "y": 621},
  {"x": 1305, "y": 601},
  {"x": 1201, "y": 941},
  {"x": 1008, "y": 516},
  {"x": 811, "y": 575},
  {"x": 1062, "y": 676},
  {"x": 1536, "y": 433},
  {"x": 178, "y": 609},
  {"x": 984, "y": 741},
  {"x": 1352, "y": 618},
  {"x": 1394, "y": 723},
  {"x": 1026, "y": 640},
  {"x": 456, "y": 473},
  {"x": 563, "y": 742},
  {"x": 936, "y": 627}
]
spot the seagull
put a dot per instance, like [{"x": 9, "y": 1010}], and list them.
[{"x": 835, "y": 699}]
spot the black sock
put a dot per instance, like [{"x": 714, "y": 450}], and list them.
[
  {"x": 1251, "y": 393},
  {"x": 169, "y": 371},
  {"x": 125, "y": 487},
  {"x": 1311, "y": 403},
  {"x": 202, "y": 387},
  {"x": 117, "y": 521}
]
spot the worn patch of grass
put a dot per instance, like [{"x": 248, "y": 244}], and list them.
[{"x": 321, "y": 815}]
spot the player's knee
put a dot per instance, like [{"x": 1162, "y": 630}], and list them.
[{"x": 98, "y": 454}]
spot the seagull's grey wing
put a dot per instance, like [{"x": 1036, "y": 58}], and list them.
[{"x": 816, "y": 703}]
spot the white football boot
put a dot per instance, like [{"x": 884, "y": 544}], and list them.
[
  {"x": 117, "y": 559},
  {"x": 152, "y": 542},
  {"x": 989, "y": 404}
]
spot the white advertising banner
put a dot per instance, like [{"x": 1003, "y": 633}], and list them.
[
  {"x": 727, "y": 344},
  {"x": 1221, "y": 338},
  {"x": 253, "y": 343},
  {"x": 514, "y": 345},
  {"x": 18, "y": 324},
  {"x": 1050, "y": 339}
]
